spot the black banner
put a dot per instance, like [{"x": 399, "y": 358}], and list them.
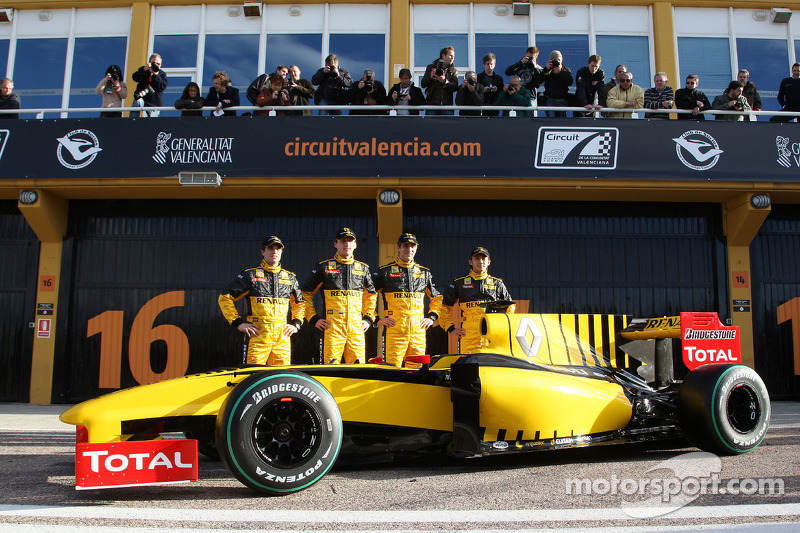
[{"x": 381, "y": 146}]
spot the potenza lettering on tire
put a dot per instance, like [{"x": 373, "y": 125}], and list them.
[{"x": 279, "y": 432}]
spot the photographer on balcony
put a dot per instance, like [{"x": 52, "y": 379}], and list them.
[
  {"x": 333, "y": 85},
  {"x": 151, "y": 82},
  {"x": 440, "y": 81},
  {"x": 114, "y": 91},
  {"x": 732, "y": 100},
  {"x": 369, "y": 91},
  {"x": 470, "y": 93}
]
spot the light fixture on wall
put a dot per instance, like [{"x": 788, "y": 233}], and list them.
[
  {"x": 252, "y": 9},
  {"x": 502, "y": 11},
  {"x": 200, "y": 179},
  {"x": 389, "y": 197},
  {"x": 295, "y": 11},
  {"x": 6, "y": 14},
  {"x": 561, "y": 11},
  {"x": 522, "y": 9},
  {"x": 45, "y": 15},
  {"x": 760, "y": 15},
  {"x": 234, "y": 11},
  {"x": 28, "y": 197},
  {"x": 760, "y": 201},
  {"x": 781, "y": 15}
]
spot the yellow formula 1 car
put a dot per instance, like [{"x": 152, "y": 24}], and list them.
[{"x": 539, "y": 382}]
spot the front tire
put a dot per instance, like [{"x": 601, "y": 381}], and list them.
[
  {"x": 724, "y": 409},
  {"x": 279, "y": 432}
]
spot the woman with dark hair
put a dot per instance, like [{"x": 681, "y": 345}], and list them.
[
  {"x": 222, "y": 95},
  {"x": 191, "y": 99},
  {"x": 274, "y": 93},
  {"x": 114, "y": 91}
]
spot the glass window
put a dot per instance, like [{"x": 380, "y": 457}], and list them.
[
  {"x": 91, "y": 57},
  {"x": 508, "y": 48},
  {"x": 174, "y": 91},
  {"x": 39, "y": 72},
  {"x": 3, "y": 57},
  {"x": 633, "y": 51},
  {"x": 767, "y": 60},
  {"x": 303, "y": 50},
  {"x": 237, "y": 55},
  {"x": 359, "y": 52},
  {"x": 574, "y": 48},
  {"x": 709, "y": 58},
  {"x": 176, "y": 51},
  {"x": 428, "y": 45}
]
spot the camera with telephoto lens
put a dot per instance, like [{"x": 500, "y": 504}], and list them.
[
  {"x": 738, "y": 105},
  {"x": 144, "y": 92},
  {"x": 556, "y": 62},
  {"x": 471, "y": 81},
  {"x": 440, "y": 67},
  {"x": 333, "y": 73},
  {"x": 368, "y": 85},
  {"x": 154, "y": 66},
  {"x": 114, "y": 76}
]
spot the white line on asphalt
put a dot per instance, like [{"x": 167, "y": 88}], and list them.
[{"x": 397, "y": 517}]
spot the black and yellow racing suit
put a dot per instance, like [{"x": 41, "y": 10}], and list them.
[
  {"x": 469, "y": 291},
  {"x": 348, "y": 297},
  {"x": 404, "y": 286},
  {"x": 270, "y": 292}
]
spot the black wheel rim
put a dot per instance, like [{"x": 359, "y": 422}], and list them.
[
  {"x": 743, "y": 409},
  {"x": 286, "y": 432}
]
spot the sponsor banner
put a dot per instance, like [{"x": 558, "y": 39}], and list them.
[
  {"x": 705, "y": 340},
  {"x": 382, "y": 146},
  {"x": 123, "y": 464}
]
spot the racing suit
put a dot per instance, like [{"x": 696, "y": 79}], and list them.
[
  {"x": 469, "y": 291},
  {"x": 404, "y": 286},
  {"x": 271, "y": 291},
  {"x": 348, "y": 297}
]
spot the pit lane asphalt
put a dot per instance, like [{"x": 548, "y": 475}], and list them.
[{"x": 514, "y": 492}]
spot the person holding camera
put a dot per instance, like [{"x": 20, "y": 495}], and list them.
[
  {"x": 470, "y": 93},
  {"x": 190, "y": 102},
  {"x": 333, "y": 86},
  {"x": 369, "y": 91},
  {"x": 731, "y": 100},
  {"x": 263, "y": 81},
  {"x": 528, "y": 70},
  {"x": 151, "y": 82},
  {"x": 276, "y": 93},
  {"x": 222, "y": 95},
  {"x": 749, "y": 92},
  {"x": 114, "y": 91},
  {"x": 557, "y": 81},
  {"x": 440, "y": 81},
  {"x": 300, "y": 90},
  {"x": 514, "y": 95},
  {"x": 492, "y": 83},
  {"x": 405, "y": 94}
]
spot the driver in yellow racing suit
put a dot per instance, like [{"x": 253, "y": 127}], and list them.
[
  {"x": 348, "y": 301},
  {"x": 469, "y": 291},
  {"x": 270, "y": 292},
  {"x": 404, "y": 285}
]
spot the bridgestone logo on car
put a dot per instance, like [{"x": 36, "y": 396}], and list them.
[
  {"x": 709, "y": 334},
  {"x": 262, "y": 394},
  {"x": 289, "y": 479},
  {"x": 735, "y": 381}
]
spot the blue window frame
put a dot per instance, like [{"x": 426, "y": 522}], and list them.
[
  {"x": 574, "y": 49},
  {"x": 100, "y": 53},
  {"x": 39, "y": 72},
  {"x": 174, "y": 91},
  {"x": 359, "y": 52},
  {"x": 767, "y": 60},
  {"x": 237, "y": 55},
  {"x": 633, "y": 51},
  {"x": 303, "y": 50},
  {"x": 709, "y": 58},
  {"x": 508, "y": 47},
  {"x": 178, "y": 51},
  {"x": 3, "y": 57},
  {"x": 428, "y": 45}
]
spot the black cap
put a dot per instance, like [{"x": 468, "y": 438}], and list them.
[
  {"x": 272, "y": 239},
  {"x": 407, "y": 237},
  {"x": 345, "y": 233},
  {"x": 479, "y": 250}
]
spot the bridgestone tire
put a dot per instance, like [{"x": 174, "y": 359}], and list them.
[
  {"x": 724, "y": 409},
  {"x": 279, "y": 432}
]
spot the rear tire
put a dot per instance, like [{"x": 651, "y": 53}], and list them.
[
  {"x": 724, "y": 409},
  {"x": 279, "y": 432}
]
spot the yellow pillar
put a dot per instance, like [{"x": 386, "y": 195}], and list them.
[
  {"x": 399, "y": 38},
  {"x": 664, "y": 43},
  {"x": 390, "y": 226},
  {"x": 48, "y": 219},
  {"x": 742, "y": 222},
  {"x": 137, "y": 44}
]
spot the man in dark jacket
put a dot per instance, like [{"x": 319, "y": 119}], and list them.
[
  {"x": 789, "y": 95},
  {"x": 470, "y": 93},
  {"x": 557, "y": 81},
  {"x": 368, "y": 91},
  {"x": 405, "y": 94},
  {"x": 528, "y": 70},
  {"x": 691, "y": 98},
  {"x": 300, "y": 89},
  {"x": 750, "y": 92},
  {"x": 151, "y": 82},
  {"x": 590, "y": 81},
  {"x": 492, "y": 83},
  {"x": 262, "y": 81},
  {"x": 333, "y": 85},
  {"x": 440, "y": 81},
  {"x": 8, "y": 100}
]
